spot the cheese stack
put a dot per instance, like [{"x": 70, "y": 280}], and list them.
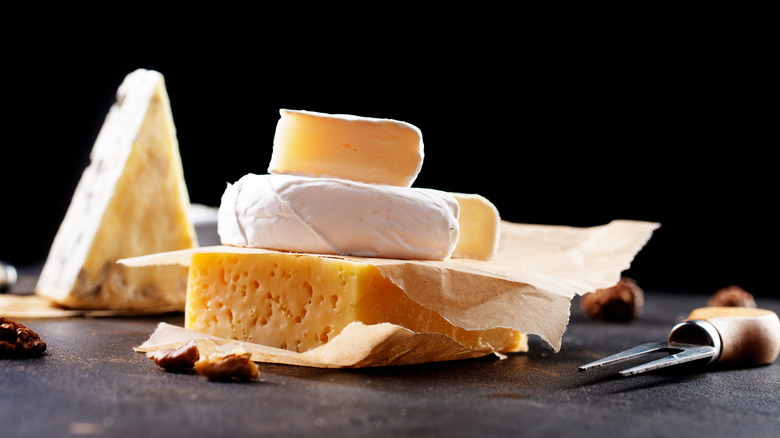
[
  {"x": 131, "y": 200},
  {"x": 338, "y": 185}
]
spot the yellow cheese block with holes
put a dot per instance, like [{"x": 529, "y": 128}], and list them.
[
  {"x": 480, "y": 227},
  {"x": 365, "y": 149},
  {"x": 298, "y": 302}
]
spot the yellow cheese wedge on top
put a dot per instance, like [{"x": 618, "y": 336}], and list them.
[
  {"x": 480, "y": 227},
  {"x": 131, "y": 200},
  {"x": 365, "y": 149},
  {"x": 298, "y": 302}
]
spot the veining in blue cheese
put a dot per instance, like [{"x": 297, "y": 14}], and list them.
[{"x": 131, "y": 200}]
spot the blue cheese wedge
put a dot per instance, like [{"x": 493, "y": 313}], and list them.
[{"x": 131, "y": 200}]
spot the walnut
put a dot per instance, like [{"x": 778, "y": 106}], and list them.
[
  {"x": 16, "y": 340},
  {"x": 233, "y": 366},
  {"x": 622, "y": 302},
  {"x": 178, "y": 359},
  {"x": 732, "y": 296}
]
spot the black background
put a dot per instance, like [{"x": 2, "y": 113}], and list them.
[{"x": 565, "y": 114}]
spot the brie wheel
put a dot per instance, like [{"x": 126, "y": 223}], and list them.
[{"x": 335, "y": 216}]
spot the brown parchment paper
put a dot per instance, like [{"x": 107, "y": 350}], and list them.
[
  {"x": 357, "y": 346},
  {"x": 32, "y": 306},
  {"x": 528, "y": 287}
]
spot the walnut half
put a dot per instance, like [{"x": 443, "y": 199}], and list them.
[
  {"x": 227, "y": 367},
  {"x": 732, "y": 296},
  {"x": 178, "y": 359},
  {"x": 622, "y": 302},
  {"x": 16, "y": 340}
]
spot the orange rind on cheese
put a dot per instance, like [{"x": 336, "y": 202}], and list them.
[{"x": 366, "y": 149}]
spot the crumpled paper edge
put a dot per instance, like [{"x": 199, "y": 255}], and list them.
[{"x": 357, "y": 346}]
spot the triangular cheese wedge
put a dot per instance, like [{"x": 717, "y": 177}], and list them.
[{"x": 131, "y": 200}]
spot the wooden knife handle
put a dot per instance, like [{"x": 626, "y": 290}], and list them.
[{"x": 748, "y": 336}]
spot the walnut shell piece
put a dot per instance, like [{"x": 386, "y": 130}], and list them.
[
  {"x": 178, "y": 359},
  {"x": 16, "y": 340},
  {"x": 622, "y": 302},
  {"x": 227, "y": 367},
  {"x": 732, "y": 296}
]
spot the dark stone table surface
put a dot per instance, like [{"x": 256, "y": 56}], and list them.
[{"x": 91, "y": 382}]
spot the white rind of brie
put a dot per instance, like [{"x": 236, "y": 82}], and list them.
[{"x": 336, "y": 216}]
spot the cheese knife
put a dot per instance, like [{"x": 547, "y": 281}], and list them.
[{"x": 732, "y": 336}]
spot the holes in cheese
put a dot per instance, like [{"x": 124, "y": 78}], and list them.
[
  {"x": 298, "y": 302},
  {"x": 480, "y": 224},
  {"x": 370, "y": 150},
  {"x": 337, "y": 216}
]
